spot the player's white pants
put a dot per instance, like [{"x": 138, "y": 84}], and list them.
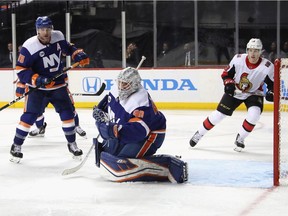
[{"x": 213, "y": 119}]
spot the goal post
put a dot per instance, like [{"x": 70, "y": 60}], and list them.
[{"x": 280, "y": 133}]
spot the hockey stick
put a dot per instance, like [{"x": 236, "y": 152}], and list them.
[
  {"x": 99, "y": 92},
  {"x": 15, "y": 81},
  {"x": 75, "y": 169},
  {"x": 141, "y": 62},
  {"x": 37, "y": 87}
]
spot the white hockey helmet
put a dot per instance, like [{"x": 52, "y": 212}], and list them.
[
  {"x": 129, "y": 81},
  {"x": 254, "y": 43}
]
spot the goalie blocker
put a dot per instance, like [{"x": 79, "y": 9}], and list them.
[{"x": 151, "y": 168}]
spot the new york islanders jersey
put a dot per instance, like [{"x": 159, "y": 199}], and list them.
[
  {"x": 137, "y": 116},
  {"x": 249, "y": 78},
  {"x": 44, "y": 60}
]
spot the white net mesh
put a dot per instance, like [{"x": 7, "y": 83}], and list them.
[{"x": 283, "y": 123}]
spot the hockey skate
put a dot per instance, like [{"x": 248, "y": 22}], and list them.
[
  {"x": 16, "y": 153},
  {"x": 73, "y": 148},
  {"x": 239, "y": 144},
  {"x": 38, "y": 132},
  {"x": 80, "y": 131},
  {"x": 195, "y": 139}
]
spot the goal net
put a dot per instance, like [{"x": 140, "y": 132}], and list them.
[{"x": 281, "y": 122}]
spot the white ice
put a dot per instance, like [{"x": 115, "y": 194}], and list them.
[{"x": 221, "y": 181}]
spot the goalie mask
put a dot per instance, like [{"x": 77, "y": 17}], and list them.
[
  {"x": 254, "y": 43},
  {"x": 129, "y": 81}
]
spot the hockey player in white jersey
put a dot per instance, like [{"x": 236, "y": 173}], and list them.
[
  {"x": 133, "y": 129},
  {"x": 243, "y": 80},
  {"x": 38, "y": 63}
]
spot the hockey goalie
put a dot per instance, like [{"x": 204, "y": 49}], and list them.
[{"x": 131, "y": 130}]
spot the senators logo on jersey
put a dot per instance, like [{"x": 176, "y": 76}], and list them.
[{"x": 245, "y": 85}]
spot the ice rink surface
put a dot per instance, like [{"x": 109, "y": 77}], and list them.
[{"x": 221, "y": 181}]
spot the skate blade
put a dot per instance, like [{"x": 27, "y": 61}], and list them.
[
  {"x": 238, "y": 149},
  {"x": 84, "y": 137},
  {"x": 79, "y": 158},
  {"x": 15, "y": 159},
  {"x": 39, "y": 135}
]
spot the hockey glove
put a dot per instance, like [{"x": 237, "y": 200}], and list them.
[
  {"x": 20, "y": 89},
  {"x": 107, "y": 130},
  {"x": 80, "y": 56},
  {"x": 41, "y": 81},
  {"x": 229, "y": 87},
  {"x": 99, "y": 115},
  {"x": 269, "y": 96}
]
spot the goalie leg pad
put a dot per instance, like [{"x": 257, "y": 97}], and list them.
[
  {"x": 129, "y": 169},
  {"x": 178, "y": 169},
  {"x": 152, "y": 168}
]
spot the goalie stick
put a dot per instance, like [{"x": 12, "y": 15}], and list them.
[
  {"x": 75, "y": 169},
  {"x": 99, "y": 92},
  {"x": 37, "y": 87},
  {"x": 141, "y": 62}
]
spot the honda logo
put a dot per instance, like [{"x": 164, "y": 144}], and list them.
[{"x": 91, "y": 84}]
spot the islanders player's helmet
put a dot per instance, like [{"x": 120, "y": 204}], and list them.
[
  {"x": 43, "y": 22},
  {"x": 129, "y": 81}
]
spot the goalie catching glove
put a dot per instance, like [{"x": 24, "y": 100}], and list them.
[
  {"x": 229, "y": 87},
  {"x": 80, "y": 56},
  {"x": 107, "y": 129},
  {"x": 41, "y": 81},
  {"x": 99, "y": 115}
]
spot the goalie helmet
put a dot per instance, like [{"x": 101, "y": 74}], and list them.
[
  {"x": 254, "y": 43},
  {"x": 43, "y": 22},
  {"x": 129, "y": 81}
]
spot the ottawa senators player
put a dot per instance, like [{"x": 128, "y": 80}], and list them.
[{"x": 243, "y": 83}]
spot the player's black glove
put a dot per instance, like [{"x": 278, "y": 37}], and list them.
[
  {"x": 269, "y": 96},
  {"x": 229, "y": 87}
]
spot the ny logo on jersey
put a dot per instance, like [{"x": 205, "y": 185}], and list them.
[{"x": 51, "y": 60}]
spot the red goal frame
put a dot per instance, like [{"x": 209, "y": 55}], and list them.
[{"x": 276, "y": 140}]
